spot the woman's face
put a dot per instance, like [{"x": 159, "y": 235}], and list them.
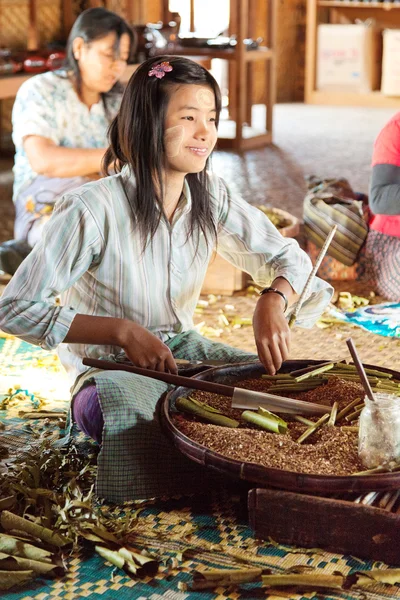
[
  {"x": 190, "y": 128},
  {"x": 101, "y": 63}
]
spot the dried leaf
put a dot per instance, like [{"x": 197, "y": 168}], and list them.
[
  {"x": 7, "y": 502},
  {"x": 9, "y": 579},
  {"x": 212, "y": 578},
  {"x": 10, "y": 521},
  {"x": 292, "y": 550},
  {"x": 111, "y": 555},
  {"x": 16, "y": 563},
  {"x": 148, "y": 566},
  {"x": 182, "y": 586},
  {"x": 390, "y": 576},
  {"x": 313, "y": 581},
  {"x": 15, "y": 547}
]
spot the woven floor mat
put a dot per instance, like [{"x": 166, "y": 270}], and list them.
[
  {"x": 186, "y": 534},
  {"x": 206, "y": 532},
  {"x": 312, "y": 343}
]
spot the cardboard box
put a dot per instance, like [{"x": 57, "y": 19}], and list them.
[
  {"x": 390, "y": 63},
  {"x": 225, "y": 279},
  {"x": 348, "y": 58}
]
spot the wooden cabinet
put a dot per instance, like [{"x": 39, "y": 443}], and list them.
[
  {"x": 244, "y": 24},
  {"x": 386, "y": 15},
  {"x": 238, "y": 132},
  {"x": 134, "y": 11}
]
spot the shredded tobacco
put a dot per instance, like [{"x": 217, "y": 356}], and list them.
[{"x": 328, "y": 451}]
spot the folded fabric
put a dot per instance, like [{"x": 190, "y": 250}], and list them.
[{"x": 383, "y": 319}]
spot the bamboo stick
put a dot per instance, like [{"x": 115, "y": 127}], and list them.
[
  {"x": 395, "y": 495},
  {"x": 333, "y": 415},
  {"x": 360, "y": 369},
  {"x": 373, "y": 372},
  {"x": 311, "y": 276},
  {"x": 312, "y": 429},
  {"x": 349, "y": 418},
  {"x": 347, "y": 409},
  {"x": 316, "y": 371},
  {"x": 309, "y": 368},
  {"x": 354, "y": 428},
  {"x": 385, "y": 499},
  {"x": 186, "y": 405},
  {"x": 369, "y": 498}
]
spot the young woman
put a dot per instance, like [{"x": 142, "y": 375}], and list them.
[
  {"x": 379, "y": 261},
  {"x": 129, "y": 254},
  {"x": 60, "y": 121}
]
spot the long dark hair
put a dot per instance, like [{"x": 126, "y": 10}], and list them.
[
  {"x": 136, "y": 138},
  {"x": 94, "y": 24}
]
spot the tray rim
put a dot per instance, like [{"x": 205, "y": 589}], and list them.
[{"x": 270, "y": 476}]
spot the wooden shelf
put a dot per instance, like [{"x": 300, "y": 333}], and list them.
[
  {"x": 228, "y": 54},
  {"x": 10, "y": 84},
  {"x": 349, "y": 4},
  {"x": 335, "y": 98},
  {"x": 241, "y": 69},
  {"x": 317, "y": 13}
]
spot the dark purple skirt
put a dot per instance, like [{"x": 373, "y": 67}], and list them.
[{"x": 87, "y": 413}]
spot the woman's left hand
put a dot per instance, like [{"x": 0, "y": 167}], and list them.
[{"x": 271, "y": 332}]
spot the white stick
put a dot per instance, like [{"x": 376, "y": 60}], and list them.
[{"x": 311, "y": 276}]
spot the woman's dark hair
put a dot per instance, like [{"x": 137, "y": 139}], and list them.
[
  {"x": 94, "y": 24},
  {"x": 136, "y": 138}
]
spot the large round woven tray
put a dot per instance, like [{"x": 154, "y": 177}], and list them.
[{"x": 258, "y": 474}]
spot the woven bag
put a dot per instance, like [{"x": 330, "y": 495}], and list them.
[{"x": 332, "y": 202}]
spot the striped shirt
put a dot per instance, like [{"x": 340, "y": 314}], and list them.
[{"x": 91, "y": 254}]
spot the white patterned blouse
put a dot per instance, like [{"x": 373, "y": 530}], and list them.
[{"x": 47, "y": 105}]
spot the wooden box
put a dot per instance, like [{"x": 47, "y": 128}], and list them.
[
  {"x": 332, "y": 524},
  {"x": 223, "y": 278}
]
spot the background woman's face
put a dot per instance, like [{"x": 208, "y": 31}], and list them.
[
  {"x": 190, "y": 128},
  {"x": 103, "y": 61}
]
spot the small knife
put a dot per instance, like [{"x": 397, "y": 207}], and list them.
[{"x": 182, "y": 362}]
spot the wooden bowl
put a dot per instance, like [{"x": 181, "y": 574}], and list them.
[
  {"x": 258, "y": 474},
  {"x": 290, "y": 230}
]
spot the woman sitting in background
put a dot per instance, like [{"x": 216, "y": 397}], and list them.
[
  {"x": 60, "y": 121},
  {"x": 379, "y": 261}
]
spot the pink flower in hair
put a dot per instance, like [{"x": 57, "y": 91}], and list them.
[{"x": 160, "y": 70}]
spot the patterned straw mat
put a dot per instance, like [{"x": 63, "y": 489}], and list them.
[{"x": 215, "y": 526}]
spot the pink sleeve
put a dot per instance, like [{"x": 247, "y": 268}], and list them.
[{"x": 387, "y": 145}]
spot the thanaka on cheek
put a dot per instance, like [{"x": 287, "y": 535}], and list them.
[{"x": 173, "y": 140}]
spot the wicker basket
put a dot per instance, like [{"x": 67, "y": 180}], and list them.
[{"x": 258, "y": 474}]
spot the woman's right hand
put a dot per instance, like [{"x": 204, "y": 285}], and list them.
[
  {"x": 146, "y": 350},
  {"x": 143, "y": 348}
]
